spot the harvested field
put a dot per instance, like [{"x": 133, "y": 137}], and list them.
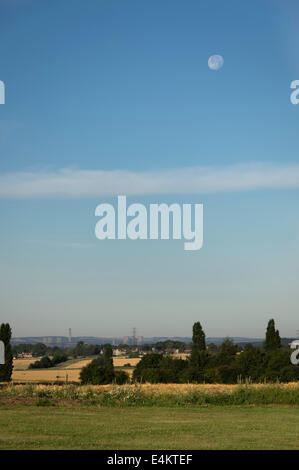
[
  {"x": 68, "y": 371},
  {"x": 121, "y": 361},
  {"x": 79, "y": 363},
  {"x": 46, "y": 375},
  {"x": 23, "y": 364}
]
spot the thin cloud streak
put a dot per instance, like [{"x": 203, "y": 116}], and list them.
[{"x": 78, "y": 183}]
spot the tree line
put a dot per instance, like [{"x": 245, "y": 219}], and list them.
[
  {"x": 227, "y": 365},
  {"x": 40, "y": 349}
]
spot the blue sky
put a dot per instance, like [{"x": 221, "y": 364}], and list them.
[{"x": 102, "y": 86}]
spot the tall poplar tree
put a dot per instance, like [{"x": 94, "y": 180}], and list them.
[
  {"x": 198, "y": 345},
  {"x": 108, "y": 363},
  {"x": 272, "y": 337}
]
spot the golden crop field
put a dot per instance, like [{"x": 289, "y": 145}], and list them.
[
  {"x": 69, "y": 372},
  {"x": 121, "y": 361},
  {"x": 45, "y": 375},
  {"x": 78, "y": 364},
  {"x": 23, "y": 364},
  {"x": 21, "y": 373},
  {"x": 117, "y": 362}
]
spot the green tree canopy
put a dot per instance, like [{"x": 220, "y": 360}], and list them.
[{"x": 101, "y": 370}]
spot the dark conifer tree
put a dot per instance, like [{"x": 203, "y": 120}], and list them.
[
  {"x": 108, "y": 363},
  {"x": 6, "y": 369},
  {"x": 198, "y": 345},
  {"x": 272, "y": 337}
]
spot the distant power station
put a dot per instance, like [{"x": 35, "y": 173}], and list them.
[
  {"x": 133, "y": 340},
  {"x": 70, "y": 335}
]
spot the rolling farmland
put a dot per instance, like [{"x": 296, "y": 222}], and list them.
[{"x": 68, "y": 371}]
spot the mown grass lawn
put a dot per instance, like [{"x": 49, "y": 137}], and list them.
[{"x": 92, "y": 427}]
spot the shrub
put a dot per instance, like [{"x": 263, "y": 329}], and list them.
[
  {"x": 100, "y": 371},
  {"x": 44, "y": 363},
  {"x": 58, "y": 358},
  {"x": 121, "y": 377}
]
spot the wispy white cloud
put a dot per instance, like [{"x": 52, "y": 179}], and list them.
[
  {"x": 58, "y": 243},
  {"x": 77, "y": 183}
]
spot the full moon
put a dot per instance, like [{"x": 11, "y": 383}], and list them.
[{"x": 215, "y": 62}]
